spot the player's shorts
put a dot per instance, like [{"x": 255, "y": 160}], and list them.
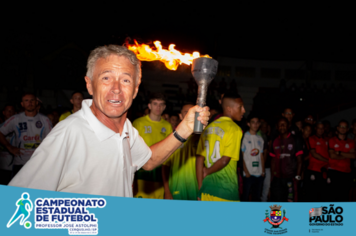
[
  {"x": 149, "y": 189},
  {"x": 208, "y": 197}
]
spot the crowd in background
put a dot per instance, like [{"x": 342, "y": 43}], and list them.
[{"x": 296, "y": 157}]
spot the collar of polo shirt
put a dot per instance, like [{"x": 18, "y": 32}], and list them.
[{"x": 100, "y": 130}]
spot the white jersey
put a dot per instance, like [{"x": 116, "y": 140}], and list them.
[
  {"x": 29, "y": 133},
  {"x": 252, "y": 147},
  {"x": 6, "y": 158}
]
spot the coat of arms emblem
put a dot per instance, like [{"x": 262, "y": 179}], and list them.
[{"x": 275, "y": 217}]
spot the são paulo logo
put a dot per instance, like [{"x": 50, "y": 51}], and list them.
[
  {"x": 275, "y": 217},
  {"x": 58, "y": 213},
  {"x": 326, "y": 216}
]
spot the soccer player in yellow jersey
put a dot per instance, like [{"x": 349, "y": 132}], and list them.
[
  {"x": 152, "y": 128},
  {"x": 178, "y": 172},
  {"x": 218, "y": 152},
  {"x": 76, "y": 100}
]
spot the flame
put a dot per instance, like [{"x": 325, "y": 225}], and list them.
[{"x": 172, "y": 58}]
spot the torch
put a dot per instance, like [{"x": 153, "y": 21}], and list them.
[{"x": 204, "y": 70}]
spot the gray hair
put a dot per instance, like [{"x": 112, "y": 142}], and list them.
[{"x": 106, "y": 51}]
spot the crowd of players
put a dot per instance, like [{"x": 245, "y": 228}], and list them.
[{"x": 233, "y": 159}]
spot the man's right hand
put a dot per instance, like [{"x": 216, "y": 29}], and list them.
[
  {"x": 16, "y": 151},
  {"x": 205, "y": 172}
]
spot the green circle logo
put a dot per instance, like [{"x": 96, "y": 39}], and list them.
[{"x": 28, "y": 224}]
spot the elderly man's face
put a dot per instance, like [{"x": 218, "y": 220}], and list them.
[{"x": 113, "y": 85}]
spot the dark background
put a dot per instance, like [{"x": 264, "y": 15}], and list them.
[{"x": 47, "y": 45}]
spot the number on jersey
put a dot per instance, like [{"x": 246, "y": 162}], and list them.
[
  {"x": 148, "y": 129},
  {"x": 215, "y": 155},
  {"x": 23, "y": 126}
]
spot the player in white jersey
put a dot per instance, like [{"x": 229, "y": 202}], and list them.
[
  {"x": 30, "y": 129},
  {"x": 6, "y": 158},
  {"x": 252, "y": 148}
]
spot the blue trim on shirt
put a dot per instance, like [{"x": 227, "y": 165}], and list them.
[
  {"x": 41, "y": 132},
  {"x": 18, "y": 129}
]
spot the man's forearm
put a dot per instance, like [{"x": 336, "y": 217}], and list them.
[
  {"x": 333, "y": 155},
  {"x": 347, "y": 155},
  {"x": 161, "y": 151},
  {"x": 218, "y": 165},
  {"x": 318, "y": 156},
  {"x": 165, "y": 148},
  {"x": 199, "y": 165}
]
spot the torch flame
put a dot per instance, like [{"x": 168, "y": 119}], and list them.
[{"x": 172, "y": 58}]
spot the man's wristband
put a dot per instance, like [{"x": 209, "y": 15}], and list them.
[{"x": 180, "y": 139}]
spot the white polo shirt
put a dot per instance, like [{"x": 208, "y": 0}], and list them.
[{"x": 82, "y": 155}]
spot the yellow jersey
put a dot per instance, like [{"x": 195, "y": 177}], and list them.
[
  {"x": 65, "y": 115},
  {"x": 221, "y": 138},
  {"x": 149, "y": 184},
  {"x": 183, "y": 182},
  {"x": 152, "y": 131}
]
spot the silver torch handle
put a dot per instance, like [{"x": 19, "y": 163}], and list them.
[
  {"x": 203, "y": 70},
  {"x": 201, "y": 101}
]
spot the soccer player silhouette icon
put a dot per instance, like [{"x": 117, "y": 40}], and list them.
[{"x": 24, "y": 208}]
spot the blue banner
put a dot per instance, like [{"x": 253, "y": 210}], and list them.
[{"x": 37, "y": 212}]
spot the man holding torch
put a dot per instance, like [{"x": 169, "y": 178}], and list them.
[{"x": 96, "y": 150}]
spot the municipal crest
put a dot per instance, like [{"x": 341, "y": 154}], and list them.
[{"x": 275, "y": 216}]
